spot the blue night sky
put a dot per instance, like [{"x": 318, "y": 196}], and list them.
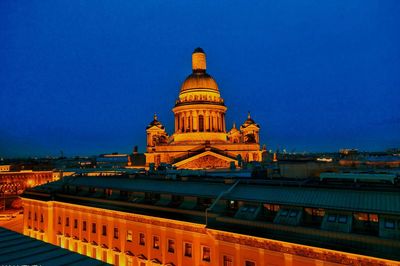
[{"x": 86, "y": 77}]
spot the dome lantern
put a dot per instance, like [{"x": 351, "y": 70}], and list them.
[{"x": 199, "y": 64}]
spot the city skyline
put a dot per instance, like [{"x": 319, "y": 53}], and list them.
[{"x": 86, "y": 79}]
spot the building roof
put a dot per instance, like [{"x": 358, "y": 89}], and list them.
[
  {"x": 17, "y": 249},
  {"x": 285, "y": 193},
  {"x": 199, "y": 81},
  {"x": 155, "y": 122},
  {"x": 384, "y": 202},
  {"x": 336, "y": 199},
  {"x": 198, "y": 50},
  {"x": 249, "y": 121}
]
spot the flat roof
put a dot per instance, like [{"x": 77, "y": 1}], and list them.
[
  {"x": 354, "y": 200},
  {"x": 18, "y": 249},
  {"x": 339, "y": 199}
]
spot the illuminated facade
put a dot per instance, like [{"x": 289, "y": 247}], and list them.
[
  {"x": 16, "y": 182},
  {"x": 200, "y": 139},
  {"x": 146, "y": 221}
]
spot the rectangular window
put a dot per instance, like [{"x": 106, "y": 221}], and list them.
[
  {"x": 67, "y": 221},
  {"x": 272, "y": 207},
  {"x": 59, "y": 219},
  {"x": 342, "y": 219},
  {"x": 156, "y": 242},
  {"x": 75, "y": 223},
  {"x": 35, "y": 217},
  {"x": 116, "y": 233},
  {"x": 284, "y": 213},
  {"x": 129, "y": 236},
  {"x": 373, "y": 217},
  {"x": 206, "y": 254},
  {"x": 171, "y": 246},
  {"x": 389, "y": 224},
  {"x": 293, "y": 213},
  {"x": 84, "y": 226},
  {"x": 29, "y": 215},
  {"x": 366, "y": 217},
  {"x": 104, "y": 230},
  {"x": 250, "y": 263},
  {"x": 318, "y": 212},
  {"x": 41, "y": 218},
  {"x": 142, "y": 239},
  {"x": 188, "y": 250},
  {"x": 331, "y": 218},
  {"x": 93, "y": 228},
  {"x": 227, "y": 260}
]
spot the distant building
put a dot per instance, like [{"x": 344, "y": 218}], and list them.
[
  {"x": 113, "y": 160},
  {"x": 16, "y": 181},
  {"x": 5, "y": 168},
  {"x": 200, "y": 139}
]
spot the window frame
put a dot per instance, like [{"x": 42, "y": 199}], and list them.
[
  {"x": 156, "y": 242},
  {"x": 253, "y": 263},
  {"x": 388, "y": 222},
  {"x": 142, "y": 239},
  {"x": 171, "y": 248},
  {"x": 116, "y": 233},
  {"x": 331, "y": 218},
  {"x": 129, "y": 232},
  {"x": 227, "y": 263},
  {"x": 203, "y": 259},
  {"x": 342, "y": 219},
  {"x": 104, "y": 230},
  {"x": 187, "y": 254}
]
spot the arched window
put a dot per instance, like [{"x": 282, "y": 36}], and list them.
[{"x": 201, "y": 123}]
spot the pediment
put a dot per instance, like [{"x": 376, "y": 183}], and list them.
[
  {"x": 154, "y": 128},
  {"x": 206, "y": 160},
  {"x": 250, "y": 127}
]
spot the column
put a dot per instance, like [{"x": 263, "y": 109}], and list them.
[
  {"x": 176, "y": 122},
  {"x": 223, "y": 123},
  {"x": 219, "y": 122},
  {"x": 215, "y": 122},
  {"x": 211, "y": 123},
  {"x": 195, "y": 121},
  {"x": 179, "y": 123},
  {"x": 183, "y": 122},
  {"x": 206, "y": 121},
  {"x": 188, "y": 122},
  {"x": 148, "y": 139}
]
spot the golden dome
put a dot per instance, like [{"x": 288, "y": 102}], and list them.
[{"x": 199, "y": 81}]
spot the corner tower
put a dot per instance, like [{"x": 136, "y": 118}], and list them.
[{"x": 199, "y": 110}]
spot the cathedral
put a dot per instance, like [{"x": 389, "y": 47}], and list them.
[{"x": 200, "y": 139}]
